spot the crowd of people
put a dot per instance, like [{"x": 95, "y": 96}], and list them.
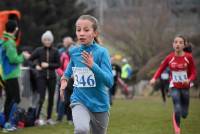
[
  {"x": 46, "y": 66},
  {"x": 84, "y": 78}
]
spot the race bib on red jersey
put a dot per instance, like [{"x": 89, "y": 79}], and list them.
[
  {"x": 83, "y": 77},
  {"x": 179, "y": 76}
]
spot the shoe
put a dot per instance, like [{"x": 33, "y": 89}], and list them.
[
  {"x": 70, "y": 122},
  {"x": 40, "y": 122},
  {"x": 59, "y": 119},
  {"x": 50, "y": 122},
  {"x": 4, "y": 130},
  {"x": 9, "y": 128},
  {"x": 177, "y": 129}
]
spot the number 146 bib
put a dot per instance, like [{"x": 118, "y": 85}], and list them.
[{"x": 83, "y": 77}]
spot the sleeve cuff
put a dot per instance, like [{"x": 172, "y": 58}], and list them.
[{"x": 64, "y": 78}]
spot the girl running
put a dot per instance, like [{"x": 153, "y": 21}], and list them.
[
  {"x": 91, "y": 69},
  {"x": 182, "y": 73}
]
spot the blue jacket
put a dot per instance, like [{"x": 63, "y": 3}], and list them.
[{"x": 94, "y": 98}]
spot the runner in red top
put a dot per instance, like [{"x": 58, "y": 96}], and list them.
[{"x": 182, "y": 73}]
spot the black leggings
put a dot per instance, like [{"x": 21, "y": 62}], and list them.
[
  {"x": 180, "y": 99},
  {"x": 12, "y": 96},
  {"x": 164, "y": 85},
  {"x": 42, "y": 84}
]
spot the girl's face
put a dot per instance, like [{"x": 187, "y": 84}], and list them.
[
  {"x": 47, "y": 42},
  {"x": 85, "y": 32},
  {"x": 178, "y": 44}
]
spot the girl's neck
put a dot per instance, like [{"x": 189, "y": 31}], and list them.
[
  {"x": 179, "y": 53},
  {"x": 89, "y": 44}
]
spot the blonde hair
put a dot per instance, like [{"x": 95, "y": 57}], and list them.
[{"x": 95, "y": 24}]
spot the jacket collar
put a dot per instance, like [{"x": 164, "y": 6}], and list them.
[
  {"x": 8, "y": 35},
  {"x": 90, "y": 46},
  {"x": 48, "y": 47}
]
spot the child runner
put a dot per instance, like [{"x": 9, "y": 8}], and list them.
[
  {"x": 182, "y": 73},
  {"x": 90, "y": 66}
]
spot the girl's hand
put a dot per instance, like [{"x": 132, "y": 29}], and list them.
[
  {"x": 62, "y": 88},
  {"x": 152, "y": 81},
  {"x": 186, "y": 82},
  {"x": 88, "y": 59}
]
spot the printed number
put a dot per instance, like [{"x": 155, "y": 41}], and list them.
[
  {"x": 90, "y": 81},
  {"x": 185, "y": 77},
  {"x": 76, "y": 79},
  {"x": 180, "y": 78},
  {"x": 175, "y": 78},
  {"x": 82, "y": 80}
]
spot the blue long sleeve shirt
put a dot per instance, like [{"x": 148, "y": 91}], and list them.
[{"x": 95, "y": 95}]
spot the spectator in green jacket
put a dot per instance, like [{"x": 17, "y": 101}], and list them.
[
  {"x": 11, "y": 69},
  {"x": 127, "y": 71}
]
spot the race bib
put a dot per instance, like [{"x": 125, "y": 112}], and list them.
[
  {"x": 179, "y": 76},
  {"x": 83, "y": 77},
  {"x": 114, "y": 72},
  {"x": 164, "y": 76}
]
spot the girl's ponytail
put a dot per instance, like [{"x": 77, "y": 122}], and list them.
[{"x": 96, "y": 39}]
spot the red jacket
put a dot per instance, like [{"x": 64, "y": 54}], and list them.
[
  {"x": 181, "y": 68},
  {"x": 64, "y": 59}
]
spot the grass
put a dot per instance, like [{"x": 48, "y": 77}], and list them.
[{"x": 137, "y": 116}]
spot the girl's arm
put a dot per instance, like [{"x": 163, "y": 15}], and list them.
[
  {"x": 192, "y": 70},
  {"x": 68, "y": 72},
  {"x": 64, "y": 79},
  {"x": 161, "y": 68},
  {"x": 104, "y": 70},
  {"x": 63, "y": 85}
]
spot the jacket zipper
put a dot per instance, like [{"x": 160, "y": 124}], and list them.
[{"x": 47, "y": 53}]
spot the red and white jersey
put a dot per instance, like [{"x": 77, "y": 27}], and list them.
[{"x": 181, "y": 69}]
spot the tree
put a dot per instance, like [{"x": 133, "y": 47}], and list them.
[
  {"x": 39, "y": 16},
  {"x": 145, "y": 28}
]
